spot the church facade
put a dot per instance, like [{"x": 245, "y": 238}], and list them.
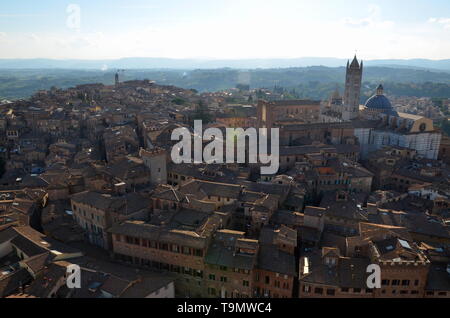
[{"x": 376, "y": 123}]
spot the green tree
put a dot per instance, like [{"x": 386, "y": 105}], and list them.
[
  {"x": 178, "y": 101},
  {"x": 445, "y": 126},
  {"x": 201, "y": 113}
]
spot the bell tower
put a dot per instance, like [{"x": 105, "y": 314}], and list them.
[
  {"x": 116, "y": 79},
  {"x": 353, "y": 80}
]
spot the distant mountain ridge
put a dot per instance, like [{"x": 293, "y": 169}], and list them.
[{"x": 190, "y": 64}]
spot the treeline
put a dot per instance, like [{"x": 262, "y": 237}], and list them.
[
  {"x": 308, "y": 82},
  {"x": 322, "y": 91}
]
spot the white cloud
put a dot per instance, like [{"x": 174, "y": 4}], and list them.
[
  {"x": 372, "y": 20},
  {"x": 445, "y": 22},
  {"x": 356, "y": 22},
  {"x": 34, "y": 37}
]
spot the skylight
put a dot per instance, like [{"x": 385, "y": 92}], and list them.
[{"x": 404, "y": 244}]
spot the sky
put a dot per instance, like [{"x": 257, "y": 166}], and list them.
[{"x": 225, "y": 29}]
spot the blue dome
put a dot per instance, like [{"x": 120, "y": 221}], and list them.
[{"x": 379, "y": 102}]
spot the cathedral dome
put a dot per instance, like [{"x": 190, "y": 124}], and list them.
[{"x": 379, "y": 101}]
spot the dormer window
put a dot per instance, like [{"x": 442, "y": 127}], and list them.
[{"x": 331, "y": 261}]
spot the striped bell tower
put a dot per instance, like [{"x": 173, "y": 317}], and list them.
[{"x": 353, "y": 80}]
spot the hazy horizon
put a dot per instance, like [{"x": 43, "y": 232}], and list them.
[{"x": 208, "y": 58}]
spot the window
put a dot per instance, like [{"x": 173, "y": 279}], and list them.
[
  {"x": 344, "y": 289},
  {"x": 164, "y": 246},
  {"x": 223, "y": 279},
  {"x": 186, "y": 250},
  {"x": 385, "y": 282},
  {"x": 198, "y": 273},
  {"x": 356, "y": 290},
  {"x": 211, "y": 291},
  {"x": 405, "y": 282},
  {"x": 175, "y": 269},
  {"x": 318, "y": 290},
  {"x": 267, "y": 280},
  {"x": 331, "y": 292},
  {"x": 198, "y": 252},
  {"x": 245, "y": 283},
  {"x": 395, "y": 282}
]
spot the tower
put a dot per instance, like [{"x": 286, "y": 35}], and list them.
[
  {"x": 116, "y": 79},
  {"x": 352, "y": 93},
  {"x": 156, "y": 161},
  {"x": 117, "y": 82}
]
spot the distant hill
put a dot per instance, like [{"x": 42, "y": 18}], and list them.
[
  {"x": 190, "y": 64},
  {"x": 308, "y": 82}
]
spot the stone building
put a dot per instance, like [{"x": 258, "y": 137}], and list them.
[
  {"x": 396, "y": 129},
  {"x": 277, "y": 113},
  {"x": 275, "y": 272},
  {"x": 96, "y": 213},
  {"x": 230, "y": 265},
  {"x": 444, "y": 149},
  {"x": 179, "y": 250},
  {"x": 326, "y": 273},
  {"x": 336, "y": 272}
]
